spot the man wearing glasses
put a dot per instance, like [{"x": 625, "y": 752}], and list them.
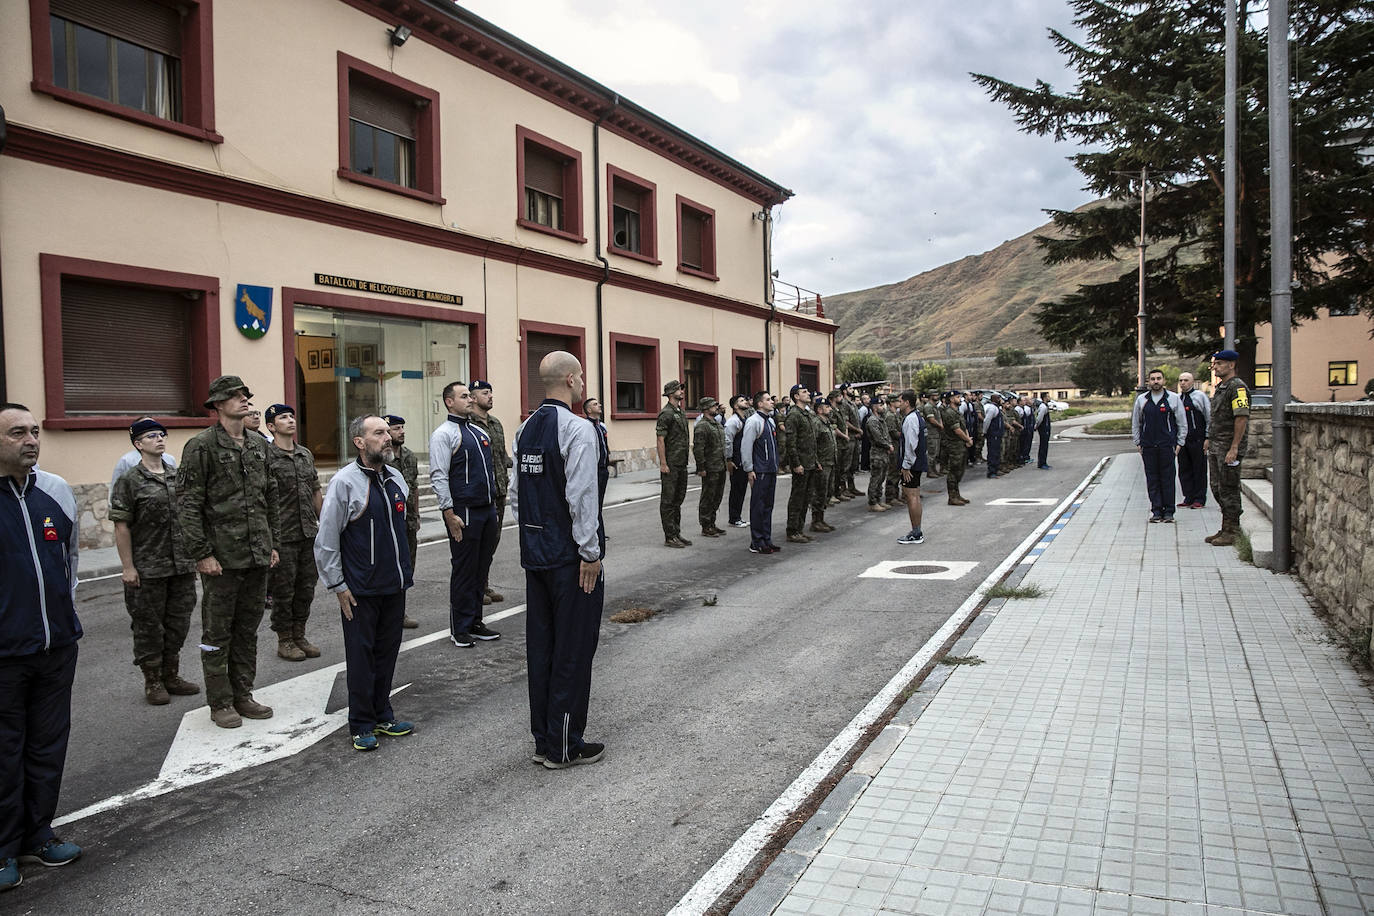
[{"x": 673, "y": 443}]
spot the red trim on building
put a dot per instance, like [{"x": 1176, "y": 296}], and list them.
[
  {"x": 652, "y": 377},
  {"x": 648, "y": 216},
  {"x": 293, "y": 296},
  {"x": 707, "y": 271},
  {"x": 205, "y": 335},
  {"x": 81, "y": 156},
  {"x": 572, "y": 185},
  {"x": 527, "y": 399},
  {"x": 429, "y": 186},
  {"x": 711, "y": 380},
  {"x": 197, "y": 72}
]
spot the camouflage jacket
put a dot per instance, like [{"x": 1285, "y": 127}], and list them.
[
  {"x": 954, "y": 422},
  {"x": 409, "y": 466},
  {"x": 672, "y": 426},
  {"x": 500, "y": 459},
  {"x": 297, "y": 483},
  {"x": 227, "y": 500},
  {"x": 708, "y": 445},
  {"x": 801, "y": 444},
  {"x": 880, "y": 440},
  {"x": 1231, "y": 399},
  {"x": 146, "y": 502},
  {"x": 825, "y": 441},
  {"x": 893, "y": 421}
]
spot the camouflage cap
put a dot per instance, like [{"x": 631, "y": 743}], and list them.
[
  {"x": 706, "y": 403},
  {"x": 670, "y": 387},
  {"x": 223, "y": 388}
]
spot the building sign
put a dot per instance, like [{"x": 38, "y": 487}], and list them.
[
  {"x": 252, "y": 310},
  {"x": 387, "y": 289}
]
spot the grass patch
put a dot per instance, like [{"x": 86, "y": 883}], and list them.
[
  {"x": 633, "y": 615},
  {"x": 961, "y": 660},
  {"x": 1072, "y": 412},
  {"x": 710, "y": 602},
  {"x": 1244, "y": 549},
  {"x": 1110, "y": 427},
  {"x": 1019, "y": 591}
]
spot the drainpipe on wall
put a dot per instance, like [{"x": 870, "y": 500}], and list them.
[
  {"x": 600, "y": 256},
  {"x": 768, "y": 299},
  {"x": 4, "y": 386}
]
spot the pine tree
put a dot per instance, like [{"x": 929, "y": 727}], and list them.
[{"x": 1150, "y": 94}]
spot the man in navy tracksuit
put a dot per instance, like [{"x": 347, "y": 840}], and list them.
[
  {"x": 1158, "y": 428},
  {"x": 364, "y": 559},
  {"x": 759, "y": 453},
  {"x": 558, "y": 494},
  {"x": 464, "y": 480},
  {"x": 38, "y": 634}
]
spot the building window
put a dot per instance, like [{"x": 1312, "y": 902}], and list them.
[
  {"x": 1264, "y": 375},
  {"x": 141, "y": 60},
  {"x": 388, "y": 131},
  {"x": 698, "y": 372},
  {"x": 696, "y": 239},
  {"x": 748, "y": 372},
  {"x": 92, "y": 310},
  {"x": 809, "y": 374},
  {"x": 1061, "y": 396},
  {"x": 1342, "y": 373},
  {"x": 1343, "y": 311},
  {"x": 634, "y": 369},
  {"x": 549, "y": 176},
  {"x": 632, "y": 216},
  {"x": 538, "y": 340}
]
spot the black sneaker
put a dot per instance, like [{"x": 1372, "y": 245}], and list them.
[
  {"x": 912, "y": 537},
  {"x": 756, "y": 549},
  {"x": 463, "y": 640},
  {"x": 483, "y": 632},
  {"x": 587, "y": 753}
]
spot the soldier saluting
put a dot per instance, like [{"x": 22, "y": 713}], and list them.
[{"x": 227, "y": 503}]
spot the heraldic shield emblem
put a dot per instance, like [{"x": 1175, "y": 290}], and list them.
[{"x": 253, "y": 310}]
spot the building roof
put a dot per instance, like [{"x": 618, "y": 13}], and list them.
[{"x": 465, "y": 35}]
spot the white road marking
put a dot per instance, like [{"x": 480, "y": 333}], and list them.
[
  {"x": 949, "y": 570},
  {"x": 202, "y": 751},
  {"x": 1021, "y": 501},
  {"x": 729, "y": 866}
]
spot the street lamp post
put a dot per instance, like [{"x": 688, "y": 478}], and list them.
[{"x": 1140, "y": 311}]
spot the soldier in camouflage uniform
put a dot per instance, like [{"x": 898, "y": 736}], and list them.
[
  {"x": 673, "y": 440},
  {"x": 893, "y": 421},
  {"x": 839, "y": 419},
  {"x": 929, "y": 409},
  {"x": 1011, "y": 437},
  {"x": 1226, "y": 441},
  {"x": 800, "y": 459},
  {"x": 404, "y": 460},
  {"x": 291, "y": 585},
  {"x": 159, "y": 574},
  {"x": 708, "y": 448},
  {"x": 954, "y": 445},
  {"x": 227, "y": 503},
  {"x": 879, "y": 453},
  {"x": 819, "y": 485},
  {"x": 483, "y": 398},
  {"x": 856, "y": 435}
]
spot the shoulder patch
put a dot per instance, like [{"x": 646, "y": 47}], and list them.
[{"x": 1240, "y": 399}]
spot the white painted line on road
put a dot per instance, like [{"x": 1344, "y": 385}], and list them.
[
  {"x": 947, "y": 570},
  {"x": 202, "y": 751},
  {"x": 1021, "y": 501},
  {"x": 729, "y": 867}
]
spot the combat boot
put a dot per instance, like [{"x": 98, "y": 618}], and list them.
[
  {"x": 173, "y": 681},
  {"x": 225, "y": 717},
  {"x": 495, "y": 596},
  {"x": 305, "y": 645},
  {"x": 153, "y": 690},
  {"x": 250, "y": 708},
  {"x": 1212, "y": 538},
  {"x": 287, "y": 648},
  {"x": 1223, "y": 538}
]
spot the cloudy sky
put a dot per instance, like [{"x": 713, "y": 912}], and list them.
[{"x": 864, "y": 109}]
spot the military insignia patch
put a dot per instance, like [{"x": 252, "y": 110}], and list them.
[
  {"x": 253, "y": 310},
  {"x": 1240, "y": 399}
]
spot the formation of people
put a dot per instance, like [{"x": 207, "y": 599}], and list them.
[{"x": 823, "y": 441}]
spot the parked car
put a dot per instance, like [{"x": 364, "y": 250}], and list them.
[
  {"x": 1057, "y": 405},
  {"x": 1264, "y": 397}
]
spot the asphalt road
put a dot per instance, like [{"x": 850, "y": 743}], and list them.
[{"x": 709, "y": 710}]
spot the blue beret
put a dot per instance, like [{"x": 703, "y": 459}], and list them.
[
  {"x": 795, "y": 389},
  {"x": 393, "y": 420},
  {"x": 1228, "y": 355},
  {"x": 479, "y": 385},
  {"x": 143, "y": 427},
  {"x": 277, "y": 410}
]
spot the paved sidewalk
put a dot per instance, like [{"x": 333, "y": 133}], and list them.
[{"x": 1166, "y": 730}]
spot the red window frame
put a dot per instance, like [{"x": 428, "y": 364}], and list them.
[
  {"x": 531, "y": 399},
  {"x": 687, "y": 207},
  {"x": 428, "y": 184},
  {"x": 755, "y": 375},
  {"x": 197, "y": 72},
  {"x": 572, "y": 184},
  {"x": 711, "y": 372},
  {"x": 652, "y": 378},
  {"x": 648, "y": 215},
  {"x": 813, "y": 363},
  {"x": 205, "y": 330}
]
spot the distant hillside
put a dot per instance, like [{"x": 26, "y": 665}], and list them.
[{"x": 978, "y": 303}]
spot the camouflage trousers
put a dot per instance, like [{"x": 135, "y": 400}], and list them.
[
  {"x": 799, "y": 498},
  {"x": 1225, "y": 486},
  {"x": 839, "y": 475},
  {"x": 231, "y": 606},
  {"x": 818, "y": 489},
  {"x": 413, "y": 542},
  {"x": 877, "y": 476},
  {"x": 673, "y": 491},
  {"x": 160, "y": 617},
  {"x": 712, "y": 489},
  {"x": 893, "y": 488},
  {"x": 292, "y": 585},
  {"x": 954, "y": 456}
]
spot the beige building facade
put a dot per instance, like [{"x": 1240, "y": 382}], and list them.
[
  {"x": 350, "y": 206},
  {"x": 1332, "y": 357}
]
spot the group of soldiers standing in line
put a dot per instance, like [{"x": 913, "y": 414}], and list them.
[{"x": 823, "y": 441}]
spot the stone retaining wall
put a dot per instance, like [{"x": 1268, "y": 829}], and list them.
[
  {"x": 1259, "y": 443},
  {"x": 1333, "y": 498}
]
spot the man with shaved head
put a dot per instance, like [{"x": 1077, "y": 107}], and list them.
[
  {"x": 562, "y": 541},
  {"x": 1192, "y": 457}
]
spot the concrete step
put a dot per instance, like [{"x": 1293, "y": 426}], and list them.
[
  {"x": 1256, "y": 522},
  {"x": 1261, "y": 493}
]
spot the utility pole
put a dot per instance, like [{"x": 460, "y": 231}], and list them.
[
  {"x": 1140, "y": 312},
  {"x": 1228, "y": 260},
  {"x": 1281, "y": 277}
]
